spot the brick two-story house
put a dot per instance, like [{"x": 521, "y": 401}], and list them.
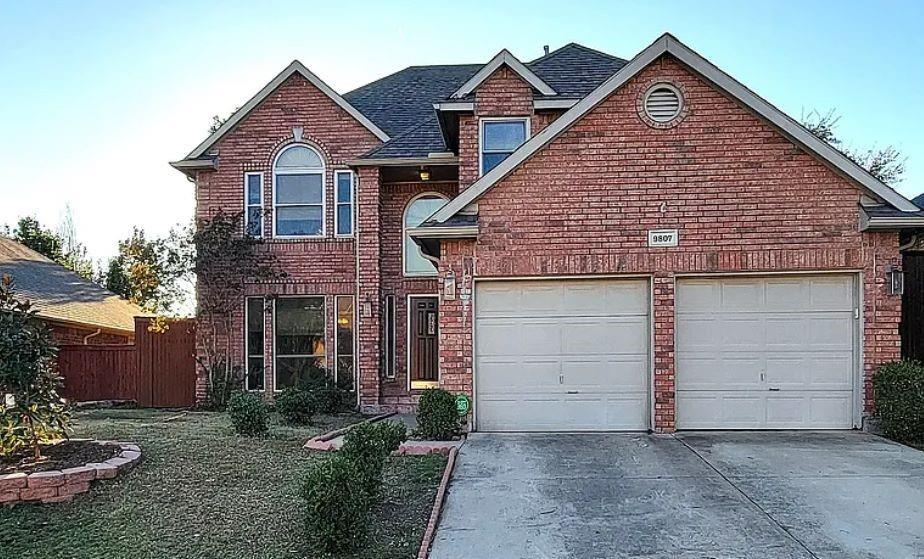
[{"x": 579, "y": 242}]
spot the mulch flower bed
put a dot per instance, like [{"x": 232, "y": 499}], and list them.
[{"x": 58, "y": 456}]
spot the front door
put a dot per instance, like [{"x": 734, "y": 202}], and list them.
[{"x": 423, "y": 358}]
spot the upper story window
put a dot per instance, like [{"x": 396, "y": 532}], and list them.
[
  {"x": 418, "y": 210},
  {"x": 343, "y": 216},
  {"x": 499, "y": 138},
  {"x": 298, "y": 195},
  {"x": 253, "y": 204}
]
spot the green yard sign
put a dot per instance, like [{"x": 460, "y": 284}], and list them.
[{"x": 463, "y": 405}]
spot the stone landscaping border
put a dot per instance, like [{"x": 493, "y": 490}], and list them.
[
  {"x": 60, "y": 486},
  {"x": 323, "y": 442},
  {"x": 430, "y": 532}
]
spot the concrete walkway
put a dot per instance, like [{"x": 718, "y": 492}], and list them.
[{"x": 718, "y": 495}]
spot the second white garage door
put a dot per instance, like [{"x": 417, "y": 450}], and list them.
[
  {"x": 562, "y": 355},
  {"x": 766, "y": 353}
]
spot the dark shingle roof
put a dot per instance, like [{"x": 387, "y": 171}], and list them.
[
  {"x": 919, "y": 201},
  {"x": 397, "y": 102},
  {"x": 889, "y": 211},
  {"x": 402, "y": 104},
  {"x": 60, "y": 294}
]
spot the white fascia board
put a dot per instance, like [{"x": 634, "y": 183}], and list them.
[
  {"x": 547, "y": 104},
  {"x": 292, "y": 68},
  {"x": 668, "y": 44},
  {"x": 459, "y": 232},
  {"x": 455, "y": 106},
  {"x": 503, "y": 57}
]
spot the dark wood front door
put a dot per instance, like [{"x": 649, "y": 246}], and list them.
[{"x": 424, "y": 348}]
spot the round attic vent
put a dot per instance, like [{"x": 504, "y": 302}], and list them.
[{"x": 663, "y": 103}]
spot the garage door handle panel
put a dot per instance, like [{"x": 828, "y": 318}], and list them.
[
  {"x": 573, "y": 392},
  {"x": 774, "y": 390}
]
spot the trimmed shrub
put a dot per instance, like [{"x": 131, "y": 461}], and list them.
[
  {"x": 899, "y": 394},
  {"x": 328, "y": 397},
  {"x": 296, "y": 406},
  {"x": 248, "y": 413},
  {"x": 368, "y": 446},
  {"x": 336, "y": 507},
  {"x": 437, "y": 417}
]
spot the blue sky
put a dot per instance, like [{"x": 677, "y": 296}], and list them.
[{"x": 98, "y": 96}]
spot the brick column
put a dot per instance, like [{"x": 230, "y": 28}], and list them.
[
  {"x": 368, "y": 288},
  {"x": 882, "y": 312},
  {"x": 664, "y": 400},
  {"x": 456, "y": 316}
]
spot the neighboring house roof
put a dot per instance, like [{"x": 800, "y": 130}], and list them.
[
  {"x": 59, "y": 294},
  {"x": 668, "y": 44},
  {"x": 293, "y": 68},
  {"x": 919, "y": 201},
  {"x": 503, "y": 58},
  {"x": 403, "y": 101}
]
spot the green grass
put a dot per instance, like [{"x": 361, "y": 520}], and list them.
[{"x": 204, "y": 492}]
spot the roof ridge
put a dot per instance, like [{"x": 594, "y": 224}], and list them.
[{"x": 575, "y": 45}]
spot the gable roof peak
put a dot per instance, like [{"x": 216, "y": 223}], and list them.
[
  {"x": 294, "y": 67},
  {"x": 668, "y": 44},
  {"x": 503, "y": 58}
]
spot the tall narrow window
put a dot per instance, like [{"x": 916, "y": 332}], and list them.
[
  {"x": 500, "y": 138},
  {"x": 344, "y": 213},
  {"x": 253, "y": 202},
  {"x": 254, "y": 343},
  {"x": 298, "y": 196},
  {"x": 418, "y": 210},
  {"x": 299, "y": 338},
  {"x": 388, "y": 338},
  {"x": 344, "y": 373}
]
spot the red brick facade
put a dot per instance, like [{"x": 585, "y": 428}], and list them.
[{"x": 744, "y": 198}]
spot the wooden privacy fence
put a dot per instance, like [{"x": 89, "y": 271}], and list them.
[{"x": 158, "y": 370}]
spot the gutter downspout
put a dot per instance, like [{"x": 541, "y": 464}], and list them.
[{"x": 86, "y": 339}]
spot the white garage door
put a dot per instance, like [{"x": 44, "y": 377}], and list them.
[
  {"x": 561, "y": 355},
  {"x": 765, "y": 353}
]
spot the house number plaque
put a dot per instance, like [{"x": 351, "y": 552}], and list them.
[{"x": 663, "y": 238}]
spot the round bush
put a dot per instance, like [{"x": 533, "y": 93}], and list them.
[
  {"x": 437, "y": 417},
  {"x": 248, "y": 413},
  {"x": 368, "y": 445},
  {"x": 899, "y": 396},
  {"x": 296, "y": 406},
  {"x": 335, "y": 506}
]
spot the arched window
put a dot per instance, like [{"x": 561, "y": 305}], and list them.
[
  {"x": 298, "y": 193},
  {"x": 419, "y": 209}
]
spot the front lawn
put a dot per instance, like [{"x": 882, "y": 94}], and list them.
[{"x": 203, "y": 492}]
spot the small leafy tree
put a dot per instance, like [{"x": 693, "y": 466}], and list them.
[
  {"x": 149, "y": 272},
  {"x": 886, "y": 164},
  {"x": 31, "y": 410},
  {"x": 225, "y": 261}
]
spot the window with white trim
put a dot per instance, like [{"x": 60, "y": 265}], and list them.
[
  {"x": 343, "y": 215},
  {"x": 417, "y": 211},
  {"x": 253, "y": 204},
  {"x": 388, "y": 338},
  {"x": 345, "y": 365},
  {"x": 299, "y": 340},
  {"x": 499, "y": 138},
  {"x": 254, "y": 343},
  {"x": 298, "y": 193}
]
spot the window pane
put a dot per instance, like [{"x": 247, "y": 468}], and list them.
[
  {"x": 344, "y": 219},
  {"x": 344, "y": 326},
  {"x": 292, "y": 371},
  {"x": 299, "y": 157},
  {"x": 388, "y": 354},
  {"x": 254, "y": 221},
  {"x": 300, "y": 326},
  {"x": 253, "y": 190},
  {"x": 255, "y": 326},
  {"x": 255, "y": 373},
  {"x": 345, "y": 372},
  {"x": 490, "y": 160},
  {"x": 421, "y": 209},
  {"x": 503, "y": 135},
  {"x": 344, "y": 187},
  {"x": 414, "y": 262},
  {"x": 298, "y": 220},
  {"x": 299, "y": 189}
]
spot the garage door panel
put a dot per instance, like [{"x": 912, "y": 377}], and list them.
[
  {"x": 798, "y": 331},
  {"x": 568, "y": 355}
]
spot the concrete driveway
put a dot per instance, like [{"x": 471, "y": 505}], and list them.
[{"x": 718, "y": 495}]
